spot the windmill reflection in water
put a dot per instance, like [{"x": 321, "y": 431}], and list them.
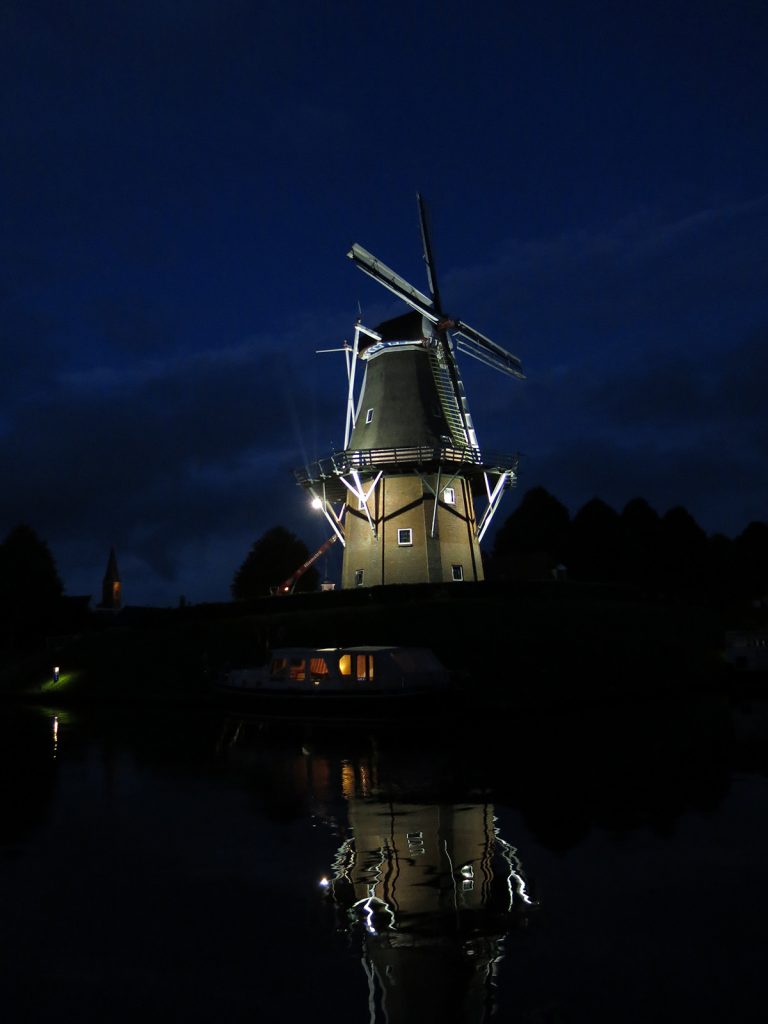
[
  {"x": 432, "y": 889},
  {"x": 422, "y": 881}
]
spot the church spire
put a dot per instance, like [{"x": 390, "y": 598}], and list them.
[{"x": 111, "y": 587}]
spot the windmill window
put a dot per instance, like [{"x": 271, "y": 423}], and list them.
[
  {"x": 449, "y": 496},
  {"x": 359, "y": 577},
  {"x": 457, "y": 573},
  {"x": 361, "y": 504},
  {"x": 415, "y": 843},
  {"x": 369, "y": 416},
  {"x": 405, "y": 538}
]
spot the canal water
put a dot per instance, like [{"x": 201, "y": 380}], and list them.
[{"x": 214, "y": 866}]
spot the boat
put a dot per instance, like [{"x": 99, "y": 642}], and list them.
[
  {"x": 745, "y": 656},
  {"x": 747, "y": 649},
  {"x": 359, "y": 677}
]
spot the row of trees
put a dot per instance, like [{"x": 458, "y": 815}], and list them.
[
  {"x": 31, "y": 589},
  {"x": 663, "y": 555}
]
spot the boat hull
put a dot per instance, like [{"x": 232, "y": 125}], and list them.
[{"x": 337, "y": 706}]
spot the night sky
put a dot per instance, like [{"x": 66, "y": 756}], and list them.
[{"x": 181, "y": 182}]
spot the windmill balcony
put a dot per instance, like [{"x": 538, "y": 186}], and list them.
[{"x": 425, "y": 458}]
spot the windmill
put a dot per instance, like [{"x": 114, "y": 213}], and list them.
[{"x": 401, "y": 494}]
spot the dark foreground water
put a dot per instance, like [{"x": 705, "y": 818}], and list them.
[{"x": 196, "y": 867}]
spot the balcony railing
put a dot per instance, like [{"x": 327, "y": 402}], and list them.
[{"x": 368, "y": 460}]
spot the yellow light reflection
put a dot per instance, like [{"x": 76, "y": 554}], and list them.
[{"x": 347, "y": 780}]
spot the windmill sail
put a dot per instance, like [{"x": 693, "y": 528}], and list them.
[
  {"x": 380, "y": 272},
  {"x": 451, "y": 368},
  {"x": 475, "y": 344},
  {"x": 429, "y": 259},
  {"x": 467, "y": 339},
  {"x": 448, "y": 331}
]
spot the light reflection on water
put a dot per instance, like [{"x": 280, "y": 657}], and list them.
[
  {"x": 426, "y": 885},
  {"x": 229, "y": 868}
]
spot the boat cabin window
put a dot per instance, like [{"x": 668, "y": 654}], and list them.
[
  {"x": 358, "y": 665},
  {"x": 457, "y": 573},
  {"x": 369, "y": 416},
  {"x": 278, "y": 667},
  {"x": 405, "y": 538},
  {"x": 297, "y": 669},
  {"x": 318, "y": 668},
  {"x": 364, "y": 667},
  {"x": 449, "y": 495}
]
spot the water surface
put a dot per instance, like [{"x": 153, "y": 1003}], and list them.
[{"x": 220, "y": 867}]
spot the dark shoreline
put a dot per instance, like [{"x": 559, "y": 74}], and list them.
[{"x": 539, "y": 644}]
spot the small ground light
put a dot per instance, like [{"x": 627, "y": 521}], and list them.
[{"x": 55, "y": 673}]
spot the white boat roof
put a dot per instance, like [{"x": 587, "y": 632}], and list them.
[{"x": 355, "y": 649}]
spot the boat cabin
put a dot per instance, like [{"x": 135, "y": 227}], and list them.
[{"x": 350, "y": 670}]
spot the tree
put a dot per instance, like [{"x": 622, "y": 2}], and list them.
[
  {"x": 751, "y": 560},
  {"x": 274, "y": 557},
  {"x": 595, "y": 543},
  {"x": 684, "y": 552},
  {"x": 641, "y": 534},
  {"x": 723, "y": 586},
  {"x": 531, "y": 542},
  {"x": 30, "y": 587}
]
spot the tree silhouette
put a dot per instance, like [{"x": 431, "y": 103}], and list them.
[
  {"x": 30, "y": 587},
  {"x": 751, "y": 560},
  {"x": 668, "y": 555},
  {"x": 723, "y": 585},
  {"x": 595, "y": 544},
  {"x": 532, "y": 541},
  {"x": 641, "y": 539},
  {"x": 683, "y": 551},
  {"x": 274, "y": 557}
]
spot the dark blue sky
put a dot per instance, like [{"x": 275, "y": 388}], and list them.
[{"x": 181, "y": 183}]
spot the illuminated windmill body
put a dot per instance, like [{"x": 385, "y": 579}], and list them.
[{"x": 402, "y": 494}]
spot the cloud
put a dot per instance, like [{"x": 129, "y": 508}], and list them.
[
  {"x": 643, "y": 284},
  {"x": 159, "y": 456},
  {"x": 181, "y": 453},
  {"x": 29, "y": 356},
  {"x": 646, "y": 373}
]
